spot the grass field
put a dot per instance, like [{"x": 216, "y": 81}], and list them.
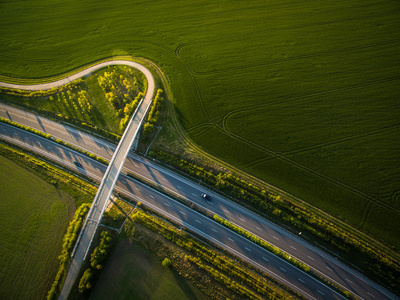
[
  {"x": 33, "y": 216},
  {"x": 303, "y": 95},
  {"x": 133, "y": 273}
]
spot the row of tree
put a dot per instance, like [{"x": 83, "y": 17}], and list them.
[
  {"x": 219, "y": 266},
  {"x": 97, "y": 259},
  {"x": 290, "y": 213}
]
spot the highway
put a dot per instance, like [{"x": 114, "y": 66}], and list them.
[{"x": 317, "y": 259}]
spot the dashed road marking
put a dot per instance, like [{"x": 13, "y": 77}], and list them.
[
  {"x": 320, "y": 292},
  {"x": 242, "y": 219},
  {"x": 348, "y": 280},
  {"x": 182, "y": 212},
  {"x": 266, "y": 259},
  {"x": 247, "y": 249},
  {"x": 164, "y": 179},
  {"x": 198, "y": 221},
  {"x": 275, "y": 237},
  {"x": 370, "y": 294},
  {"x": 311, "y": 258},
  {"x": 293, "y": 247},
  {"x": 193, "y": 194},
  {"x": 151, "y": 196},
  {"x": 258, "y": 228},
  {"x": 179, "y": 187},
  {"x": 301, "y": 280},
  {"x": 213, "y": 230},
  {"x": 137, "y": 189},
  {"x": 283, "y": 269},
  {"x": 230, "y": 239},
  {"x": 166, "y": 204},
  {"x": 226, "y": 211},
  {"x": 329, "y": 269}
]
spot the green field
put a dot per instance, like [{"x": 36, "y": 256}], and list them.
[
  {"x": 33, "y": 216},
  {"x": 133, "y": 273},
  {"x": 303, "y": 95}
]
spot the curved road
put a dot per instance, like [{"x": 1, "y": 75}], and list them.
[
  {"x": 110, "y": 177},
  {"x": 317, "y": 259}
]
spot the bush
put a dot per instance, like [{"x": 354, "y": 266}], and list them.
[{"x": 166, "y": 262}]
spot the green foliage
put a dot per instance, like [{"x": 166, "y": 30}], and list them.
[
  {"x": 101, "y": 251},
  {"x": 153, "y": 115},
  {"x": 85, "y": 283},
  {"x": 97, "y": 258},
  {"x": 263, "y": 244},
  {"x": 68, "y": 243},
  {"x": 289, "y": 212},
  {"x": 58, "y": 141},
  {"x": 223, "y": 268},
  {"x": 166, "y": 262}
]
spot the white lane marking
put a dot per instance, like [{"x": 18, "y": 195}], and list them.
[
  {"x": 166, "y": 204},
  {"x": 282, "y": 269},
  {"x": 230, "y": 239},
  {"x": 226, "y": 211},
  {"x": 329, "y": 269},
  {"x": 151, "y": 196},
  {"x": 266, "y": 259},
  {"x": 198, "y": 221},
  {"x": 182, "y": 212},
  {"x": 320, "y": 292},
  {"x": 242, "y": 219},
  {"x": 258, "y": 228},
  {"x": 137, "y": 189},
  {"x": 179, "y": 187},
  {"x": 213, "y": 230},
  {"x": 293, "y": 247},
  {"x": 348, "y": 280},
  {"x": 247, "y": 249},
  {"x": 370, "y": 294},
  {"x": 193, "y": 194},
  {"x": 301, "y": 280},
  {"x": 275, "y": 237},
  {"x": 311, "y": 258},
  {"x": 164, "y": 179}
]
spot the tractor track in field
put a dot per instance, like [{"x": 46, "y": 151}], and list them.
[
  {"x": 309, "y": 96},
  {"x": 383, "y": 44}
]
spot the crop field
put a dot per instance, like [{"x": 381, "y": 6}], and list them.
[
  {"x": 33, "y": 216},
  {"x": 304, "y": 95},
  {"x": 133, "y": 273}
]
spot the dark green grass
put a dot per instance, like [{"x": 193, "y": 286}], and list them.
[
  {"x": 133, "y": 273},
  {"x": 33, "y": 216},
  {"x": 269, "y": 87}
]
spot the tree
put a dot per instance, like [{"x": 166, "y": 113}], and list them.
[{"x": 166, "y": 262}]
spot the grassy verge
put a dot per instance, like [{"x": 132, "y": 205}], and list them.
[
  {"x": 102, "y": 102},
  {"x": 236, "y": 277},
  {"x": 38, "y": 201},
  {"x": 292, "y": 214}
]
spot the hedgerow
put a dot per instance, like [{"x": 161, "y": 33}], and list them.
[
  {"x": 290, "y": 213},
  {"x": 68, "y": 244}
]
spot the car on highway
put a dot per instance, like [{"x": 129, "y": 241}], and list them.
[
  {"x": 206, "y": 196},
  {"x": 78, "y": 164}
]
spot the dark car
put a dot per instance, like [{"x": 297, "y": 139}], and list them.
[
  {"x": 77, "y": 163},
  {"x": 205, "y": 196}
]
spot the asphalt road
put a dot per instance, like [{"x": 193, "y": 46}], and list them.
[
  {"x": 317, "y": 259},
  {"x": 243, "y": 248}
]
